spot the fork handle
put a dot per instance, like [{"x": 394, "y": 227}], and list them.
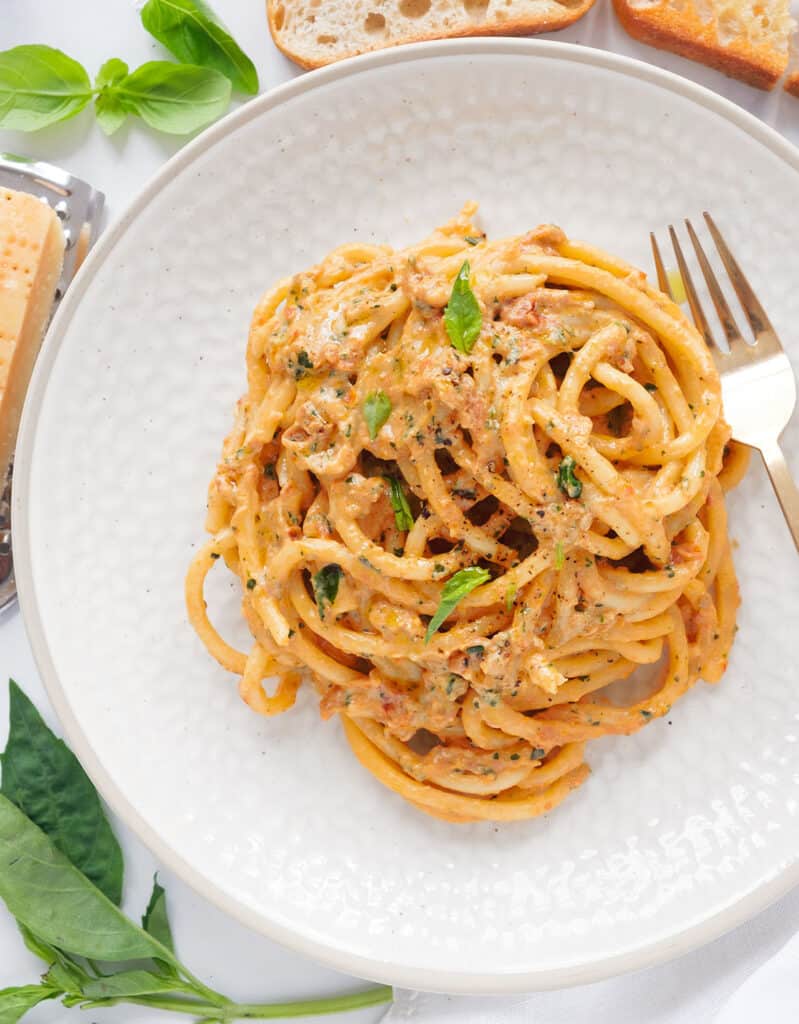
[{"x": 784, "y": 485}]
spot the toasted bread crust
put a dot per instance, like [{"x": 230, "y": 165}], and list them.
[
  {"x": 683, "y": 32},
  {"x": 505, "y": 28}
]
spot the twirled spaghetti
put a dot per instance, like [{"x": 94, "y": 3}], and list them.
[{"x": 472, "y": 485}]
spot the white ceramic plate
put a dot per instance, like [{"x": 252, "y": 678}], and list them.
[{"x": 682, "y": 830}]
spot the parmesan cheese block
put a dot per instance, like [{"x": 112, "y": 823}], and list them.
[{"x": 31, "y": 255}]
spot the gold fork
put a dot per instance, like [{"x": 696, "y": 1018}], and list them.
[{"x": 757, "y": 383}]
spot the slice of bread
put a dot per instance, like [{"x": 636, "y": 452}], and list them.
[
  {"x": 748, "y": 39},
  {"x": 317, "y": 32},
  {"x": 792, "y": 83},
  {"x": 31, "y": 255}
]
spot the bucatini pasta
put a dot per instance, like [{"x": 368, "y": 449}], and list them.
[{"x": 472, "y": 485}]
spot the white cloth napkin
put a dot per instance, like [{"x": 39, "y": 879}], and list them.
[{"x": 769, "y": 995}]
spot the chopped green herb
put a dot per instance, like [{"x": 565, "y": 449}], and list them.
[
  {"x": 475, "y": 649},
  {"x": 302, "y": 366},
  {"x": 567, "y": 481},
  {"x": 250, "y": 584},
  {"x": 269, "y": 470},
  {"x": 473, "y": 239},
  {"x": 402, "y": 510},
  {"x": 214, "y": 555},
  {"x": 510, "y": 597},
  {"x": 650, "y": 387},
  {"x": 537, "y": 753},
  {"x": 376, "y": 410},
  {"x": 646, "y": 714},
  {"x": 462, "y": 317},
  {"x": 325, "y": 586},
  {"x": 560, "y": 558},
  {"x": 515, "y": 757},
  {"x": 453, "y": 592},
  {"x": 392, "y": 287}
]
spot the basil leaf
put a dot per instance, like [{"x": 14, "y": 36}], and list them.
[
  {"x": 567, "y": 481},
  {"x": 45, "y": 780},
  {"x": 462, "y": 317},
  {"x": 40, "y": 86},
  {"x": 109, "y": 113},
  {"x": 402, "y": 510},
  {"x": 15, "y": 1002},
  {"x": 173, "y": 98},
  {"x": 125, "y": 984},
  {"x": 325, "y": 586},
  {"x": 41, "y": 949},
  {"x": 52, "y": 898},
  {"x": 190, "y": 30},
  {"x": 453, "y": 592},
  {"x": 156, "y": 921},
  {"x": 376, "y": 410},
  {"x": 107, "y": 108},
  {"x": 65, "y": 977},
  {"x": 111, "y": 73}
]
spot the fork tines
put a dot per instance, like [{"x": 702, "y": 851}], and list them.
[{"x": 755, "y": 314}]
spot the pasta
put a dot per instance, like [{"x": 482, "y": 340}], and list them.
[{"x": 473, "y": 486}]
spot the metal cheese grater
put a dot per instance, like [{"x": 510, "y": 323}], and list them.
[{"x": 79, "y": 208}]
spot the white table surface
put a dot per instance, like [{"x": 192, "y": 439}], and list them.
[{"x": 225, "y": 954}]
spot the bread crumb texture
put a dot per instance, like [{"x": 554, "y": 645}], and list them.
[
  {"x": 748, "y": 39},
  {"x": 317, "y": 32}
]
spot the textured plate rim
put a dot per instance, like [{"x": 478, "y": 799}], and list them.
[{"x": 466, "y": 982}]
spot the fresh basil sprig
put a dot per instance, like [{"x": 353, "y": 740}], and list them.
[
  {"x": 69, "y": 923},
  {"x": 190, "y": 30},
  {"x": 453, "y": 592},
  {"x": 462, "y": 317},
  {"x": 40, "y": 86}
]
